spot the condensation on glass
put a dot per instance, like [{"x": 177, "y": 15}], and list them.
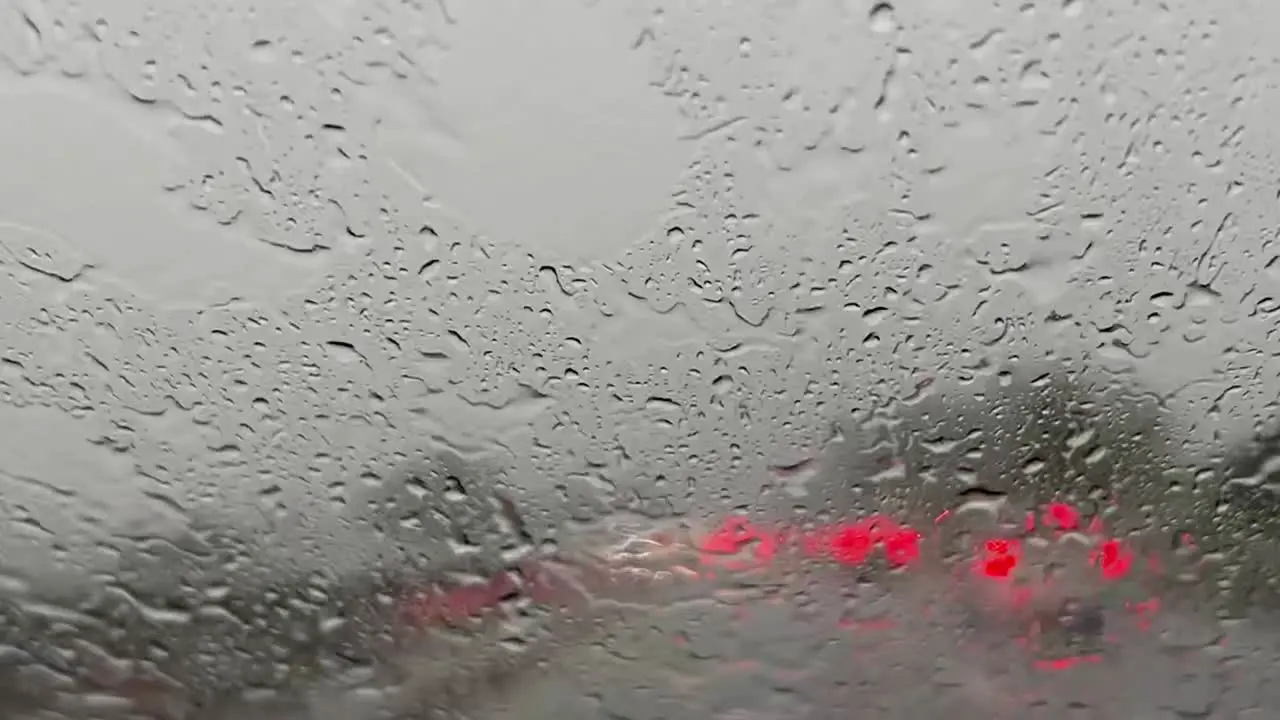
[{"x": 412, "y": 358}]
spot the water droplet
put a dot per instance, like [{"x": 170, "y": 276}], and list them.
[{"x": 882, "y": 20}]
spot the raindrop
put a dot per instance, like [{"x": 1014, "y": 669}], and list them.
[{"x": 882, "y": 20}]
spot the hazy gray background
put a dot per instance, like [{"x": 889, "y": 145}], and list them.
[{"x": 609, "y": 256}]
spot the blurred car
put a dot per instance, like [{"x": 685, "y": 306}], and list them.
[{"x": 979, "y": 600}]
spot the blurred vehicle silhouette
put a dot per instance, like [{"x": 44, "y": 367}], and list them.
[{"x": 973, "y": 557}]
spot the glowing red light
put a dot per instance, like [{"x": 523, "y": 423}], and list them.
[
  {"x": 723, "y": 547},
  {"x": 738, "y": 544},
  {"x": 1113, "y": 559},
  {"x": 852, "y": 545},
  {"x": 1067, "y": 663},
  {"x": 1062, "y": 516},
  {"x": 902, "y": 547},
  {"x": 767, "y": 547},
  {"x": 732, "y": 536},
  {"x": 1000, "y": 558},
  {"x": 848, "y": 544}
]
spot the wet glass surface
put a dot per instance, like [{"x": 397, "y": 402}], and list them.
[{"x": 412, "y": 359}]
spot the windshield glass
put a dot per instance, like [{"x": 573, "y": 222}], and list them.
[{"x": 412, "y": 358}]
